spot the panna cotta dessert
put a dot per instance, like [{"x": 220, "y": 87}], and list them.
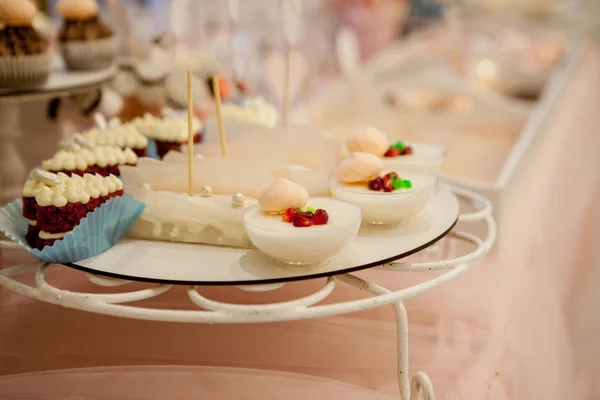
[
  {"x": 414, "y": 157},
  {"x": 385, "y": 198},
  {"x": 297, "y": 232}
]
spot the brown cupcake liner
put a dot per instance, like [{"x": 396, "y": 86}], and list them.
[
  {"x": 22, "y": 72},
  {"x": 90, "y": 55}
]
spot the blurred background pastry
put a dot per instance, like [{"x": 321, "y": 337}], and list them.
[
  {"x": 86, "y": 42},
  {"x": 25, "y": 57}
]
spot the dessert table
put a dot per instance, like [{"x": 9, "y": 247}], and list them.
[
  {"x": 418, "y": 234},
  {"x": 523, "y": 324},
  {"x": 61, "y": 82}
]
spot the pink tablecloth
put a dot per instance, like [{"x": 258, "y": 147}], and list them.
[
  {"x": 181, "y": 383},
  {"x": 523, "y": 325}
]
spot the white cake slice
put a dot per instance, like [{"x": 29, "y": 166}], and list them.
[{"x": 203, "y": 218}]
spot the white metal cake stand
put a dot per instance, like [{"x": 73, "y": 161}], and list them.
[
  {"x": 248, "y": 270},
  {"x": 60, "y": 83}
]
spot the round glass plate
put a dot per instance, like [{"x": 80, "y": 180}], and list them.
[{"x": 192, "y": 264}]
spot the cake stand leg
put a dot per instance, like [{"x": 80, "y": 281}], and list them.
[
  {"x": 420, "y": 387},
  {"x": 13, "y": 169},
  {"x": 67, "y": 129}
]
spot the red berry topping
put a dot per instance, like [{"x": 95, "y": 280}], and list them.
[
  {"x": 321, "y": 217},
  {"x": 392, "y": 152},
  {"x": 387, "y": 185},
  {"x": 375, "y": 184},
  {"x": 290, "y": 215},
  {"x": 306, "y": 214},
  {"x": 391, "y": 175},
  {"x": 302, "y": 222},
  {"x": 407, "y": 151}
]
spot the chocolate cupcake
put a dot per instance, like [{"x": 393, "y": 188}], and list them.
[
  {"x": 86, "y": 42},
  {"x": 25, "y": 60}
]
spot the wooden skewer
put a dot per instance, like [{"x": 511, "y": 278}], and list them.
[
  {"x": 286, "y": 84},
  {"x": 217, "y": 92},
  {"x": 190, "y": 110}
]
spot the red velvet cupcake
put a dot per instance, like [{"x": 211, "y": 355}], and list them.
[
  {"x": 168, "y": 133},
  {"x": 30, "y": 189},
  {"x": 60, "y": 208},
  {"x": 122, "y": 136}
]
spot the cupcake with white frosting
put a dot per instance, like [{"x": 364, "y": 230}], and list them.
[
  {"x": 64, "y": 201},
  {"x": 123, "y": 136},
  {"x": 168, "y": 133}
]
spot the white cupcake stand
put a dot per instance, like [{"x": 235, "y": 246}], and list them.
[
  {"x": 61, "y": 82},
  {"x": 307, "y": 307}
]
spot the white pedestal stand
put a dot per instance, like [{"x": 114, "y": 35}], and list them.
[{"x": 302, "y": 308}]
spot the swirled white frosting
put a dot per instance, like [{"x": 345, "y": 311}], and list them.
[
  {"x": 64, "y": 160},
  {"x": 75, "y": 193},
  {"x": 77, "y": 189},
  {"x": 52, "y": 197},
  {"x": 166, "y": 129},
  {"x": 255, "y": 110},
  {"x": 81, "y": 159},
  {"x": 32, "y": 187},
  {"x": 109, "y": 156},
  {"x": 121, "y": 136}
]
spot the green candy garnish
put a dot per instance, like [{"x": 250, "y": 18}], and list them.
[
  {"x": 399, "y": 146},
  {"x": 399, "y": 183}
]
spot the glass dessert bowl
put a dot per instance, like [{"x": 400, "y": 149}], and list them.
[
  {"x": 405, "y": 156},
  {"x": 385, "y": 198},
  {"x": 424, "y": 158},
  {"x": 302, "y": 236}
]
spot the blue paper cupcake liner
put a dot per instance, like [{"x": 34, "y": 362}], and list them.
[
  {"x": 97, "y": 232},
  {"x": 152, "y": 151}
]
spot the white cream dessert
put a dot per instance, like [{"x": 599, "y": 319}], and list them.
[
  {"x": 384, "y": 198},
  {"x": 205, "y": 218},
  {"x": 298, "y": 232},
  {"x": 415, "y": 157},
  {"x": 254, "y": 110},
  {"x": 123, "y": 136},
  {"x": 168, "y": 133},
  {"x": 103, "y": 160}
]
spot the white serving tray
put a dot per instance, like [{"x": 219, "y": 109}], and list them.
[{"x": 179, "y": 263}]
